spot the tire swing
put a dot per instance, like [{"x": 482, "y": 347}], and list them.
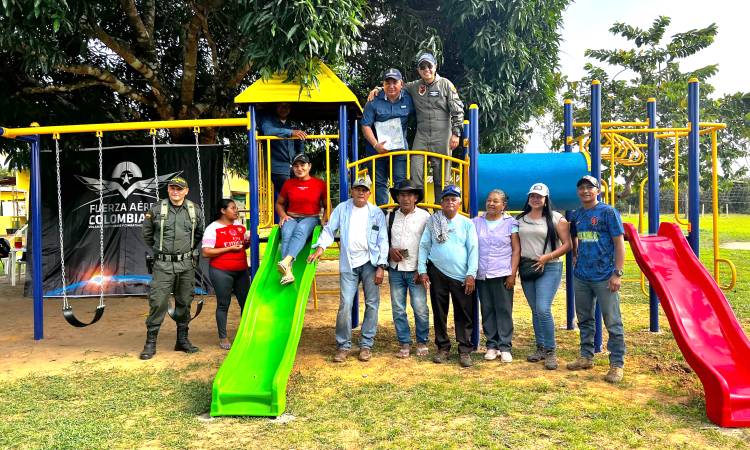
[
  {"x": 67, "y": 310},
  {"x": 196, "y": 131}
]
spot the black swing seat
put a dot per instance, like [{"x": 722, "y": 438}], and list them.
[
  {"x": 71, "y": 318},
  {"x": 198, "y": 309}
]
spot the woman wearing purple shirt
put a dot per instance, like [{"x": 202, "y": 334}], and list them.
[{"x": 499, "y": 255}]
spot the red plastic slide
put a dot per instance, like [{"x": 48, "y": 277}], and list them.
[{"x": 702, "y": 321}]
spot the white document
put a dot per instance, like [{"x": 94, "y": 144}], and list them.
[{"x": 390, "y": 131}]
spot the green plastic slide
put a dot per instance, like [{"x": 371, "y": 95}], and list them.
[{"x": 252, "y": 380}]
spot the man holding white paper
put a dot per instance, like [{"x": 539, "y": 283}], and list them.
[{"x": 388, "y": 113}]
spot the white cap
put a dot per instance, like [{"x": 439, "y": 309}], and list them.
[{"x": 539, "y": 188}]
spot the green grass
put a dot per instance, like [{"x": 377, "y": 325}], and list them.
[{"x": 732, "y": 229}]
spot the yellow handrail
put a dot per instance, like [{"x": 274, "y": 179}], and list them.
[
  {"x": 715, "y": 186},
  {"x": 677, "y": 182},
  {"x": 640, "y": 212}
]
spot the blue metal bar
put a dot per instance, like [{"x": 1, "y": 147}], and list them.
[
  {"x": 694, "y": 216},
  {"x": 344, "y": 188},
  {"x": 653, "y": 203},
  {"x": 474, "y": 200},
  {"x": 595, "y": 149},
  {"x": 355, "y": 150},
  {"x": 570, "y": 296},
  {"x": 252, "y": 175},
  {"x": 36, "y": 238}
]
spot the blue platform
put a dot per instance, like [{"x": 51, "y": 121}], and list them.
[{"x": 515, "y": 173}]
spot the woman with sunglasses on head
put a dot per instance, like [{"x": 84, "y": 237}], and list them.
[
  {"x": 545, "y": 238},
  {"x": 224, "y": 242}
]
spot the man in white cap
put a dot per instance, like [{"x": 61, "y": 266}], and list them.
[
  {"x": 363, "y": 258},
  {"x": 440, "y": 120}
]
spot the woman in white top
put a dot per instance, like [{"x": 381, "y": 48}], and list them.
[{"x": 545, "y": 238}]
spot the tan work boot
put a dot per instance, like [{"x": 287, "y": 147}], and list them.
[
  {"x": 340, "y": 355},
  {"x": 581, "y": 364},
  {"x": 614, "y": 375},
  {"x": 365, "y": 354}
]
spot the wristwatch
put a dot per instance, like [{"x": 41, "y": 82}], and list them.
[{"x": 619, "y": 272}]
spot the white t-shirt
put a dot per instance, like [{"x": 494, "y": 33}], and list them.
[{"x": 358, "y": 227}]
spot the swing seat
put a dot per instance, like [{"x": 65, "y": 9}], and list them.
[
  {"x": 71, "y": 318},
  {"x": 199, "y": 307}
]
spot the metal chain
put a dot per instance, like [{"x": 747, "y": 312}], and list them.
[
  {"x": 196, "y": 131},
  {"x": 101, "y": 224},
  {"x": 56, "y": 137},
  {"x": 156, "y": 174}
]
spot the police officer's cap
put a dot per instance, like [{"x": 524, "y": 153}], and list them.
[
  {"x": 177, "y": 181},
  {"x": 392, "y": 73},
  {"x": 426, "y": 57}
]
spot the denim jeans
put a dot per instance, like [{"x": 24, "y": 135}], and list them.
[
  {"x": 295, "y": 233},
  {"x": 349, "y": 286},
  {"x": 587, "y": 292},
  {"x": 400, "y": 282},
  {"x": 382, "y": 173},
  {"x": 540, "y": 293}
]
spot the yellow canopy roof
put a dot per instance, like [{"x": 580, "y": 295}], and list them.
[{"x": 320, "y": 104}]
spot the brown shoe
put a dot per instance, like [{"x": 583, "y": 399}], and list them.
[
  {"x": 465, "y": 360},
  {"x": 365, "y": 354},
  {"x": 340, "y": 355},
  {"x": 581, "y": 364},
  {"x": 614, "y": 375},
  {"x": 440, "y": 357}
]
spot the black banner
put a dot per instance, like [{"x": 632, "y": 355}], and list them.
[{"x": 129, "y": 191}]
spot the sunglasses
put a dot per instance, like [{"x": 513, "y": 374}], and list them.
[{"x": 425, "y": 66}]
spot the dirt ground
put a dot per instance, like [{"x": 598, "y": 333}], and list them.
[{"x": 118, "y": 339}]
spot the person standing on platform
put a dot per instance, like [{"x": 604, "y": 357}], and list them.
[
  {"x": 499, "y": 255},
  {"x": 448, "y": 258},
  {"x": 599, "y": 258},
  {"x": 440, "y": 120},
  {"x": 363, "y": 258},
  {"x": 388, "y": 113},
  {"x": 405, "y": 227},
  {"x": 277, "y": 123},
  {"x": 173, "y": 228}
]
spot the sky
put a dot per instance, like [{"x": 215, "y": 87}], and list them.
[{"x": 586, "y": 24}]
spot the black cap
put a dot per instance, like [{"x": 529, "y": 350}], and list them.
[
  {"x": 301, "y": 157},
  {"x": 392, "y": 73},
  {"x": 590, "y": 180},
  {"x": 407, "y": 185},
  {"x": 177, "y": 181}
]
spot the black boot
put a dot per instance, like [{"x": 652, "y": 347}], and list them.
[
  {"x": 149, "y": 350},
  {"x": 183, "y": 343}
]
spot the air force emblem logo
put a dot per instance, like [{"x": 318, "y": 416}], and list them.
[
  {"x": 127, "y": 179},
  {"x": 422, "y": 89}
]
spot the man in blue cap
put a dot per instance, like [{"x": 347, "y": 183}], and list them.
[
  {"x": 388, "y": 113},
  {"x": 440, "y": 119},
  {"x": 449, "y": 258}
]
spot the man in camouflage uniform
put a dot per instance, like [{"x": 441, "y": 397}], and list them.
[
  {"x": 440, "y": 118},
  {"x": 175, "y": 258}
]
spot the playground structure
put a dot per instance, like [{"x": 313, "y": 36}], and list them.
[{"x": 257, "y": 387}]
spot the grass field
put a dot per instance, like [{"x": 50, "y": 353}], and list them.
[{"x": 659, "y": 404}]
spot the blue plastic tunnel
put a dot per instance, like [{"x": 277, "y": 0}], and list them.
[{"x": 515, "y": 173}]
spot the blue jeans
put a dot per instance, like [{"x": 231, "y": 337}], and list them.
[
  {"x": 400, "y": 281},
  {"x": 540, "y": 293},
  {"x": 349, "y": 286},
  {"x": 382, "y": 173},
  {"x": 587, "y": 292},
  {"x": 295, "y": 233}
]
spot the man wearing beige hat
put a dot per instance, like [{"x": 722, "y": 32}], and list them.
[{"x": 363, "y": 258}]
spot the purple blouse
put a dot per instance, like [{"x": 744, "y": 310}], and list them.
[{"x": 495, "y": 248}]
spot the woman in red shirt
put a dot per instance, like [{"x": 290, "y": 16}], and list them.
[
  {"x": 299, "y": 205},
  {"x": 224, "y": 242}
]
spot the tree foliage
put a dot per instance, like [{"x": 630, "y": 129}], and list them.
[
  {"x": 89, "y": 61},
  {"x": 657, "y": 74}
]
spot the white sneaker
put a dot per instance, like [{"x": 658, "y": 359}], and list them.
[
  {"x": 506, "y": 357},
  {"x": 491, "y": 354}
]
